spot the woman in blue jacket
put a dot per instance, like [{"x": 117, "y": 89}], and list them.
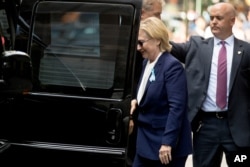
[{"x": 164, "y": 133}]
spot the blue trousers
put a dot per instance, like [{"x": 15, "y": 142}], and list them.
[{"x": 144, "y": 162}]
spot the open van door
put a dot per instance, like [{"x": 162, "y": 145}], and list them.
[{"x": 76, "y": 110}]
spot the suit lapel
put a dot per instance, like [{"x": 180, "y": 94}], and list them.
[
  {"x": 156, "y": 69},
  {"x": 237, "y": 56},
  {"x": 141, "y": 75},
  {"x": 206, "y": 57}
]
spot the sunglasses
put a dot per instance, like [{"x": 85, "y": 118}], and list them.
[{"x": 141, "y": 42}]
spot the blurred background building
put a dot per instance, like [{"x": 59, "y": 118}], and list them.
[{"x": 190, "y": 17}]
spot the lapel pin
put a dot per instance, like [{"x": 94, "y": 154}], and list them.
[
  {"x": 239, "y": 52},
  {"x": 152, "y": 77}
]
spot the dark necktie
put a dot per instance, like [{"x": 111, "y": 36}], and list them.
[{"x": 221, "y": 93}]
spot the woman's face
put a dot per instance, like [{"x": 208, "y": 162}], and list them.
[{"x": 147, "y": 46}]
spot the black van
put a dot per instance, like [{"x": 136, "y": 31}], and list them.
[{"x": 66, "y": 100}]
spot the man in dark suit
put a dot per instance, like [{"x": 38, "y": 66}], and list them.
[{"x": 218, "y": 129}]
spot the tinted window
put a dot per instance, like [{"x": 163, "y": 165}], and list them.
[{"x": 86, "y": 48}]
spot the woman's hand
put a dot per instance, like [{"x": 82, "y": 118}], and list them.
[
  {"x": 165, "y": 154},
  {"x": 131, "y": 127},
  {"x": 133, "y": 106},
  {"x": 131, "y": 121}
]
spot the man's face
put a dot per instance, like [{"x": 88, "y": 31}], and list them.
[
  {"x": 221, "y": 21},
  {"x": 156, "y": 11}
]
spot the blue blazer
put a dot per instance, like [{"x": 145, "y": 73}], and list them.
[{"x": 162, "y": 117}]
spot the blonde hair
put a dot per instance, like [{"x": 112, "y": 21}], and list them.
[
  {"x": 156, "y": 29},
  {"x": 147, "y": 4}
]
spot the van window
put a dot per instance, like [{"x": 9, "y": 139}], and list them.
[{"x": 86, "y": 48}]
